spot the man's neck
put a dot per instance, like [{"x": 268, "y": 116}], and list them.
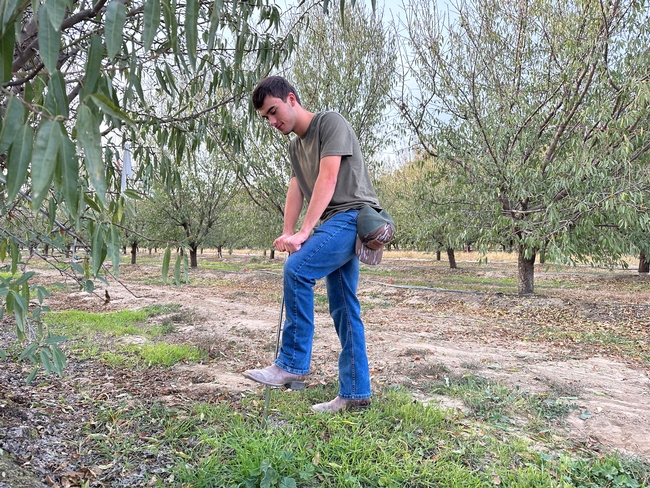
[{"x": 303, "y": 120}]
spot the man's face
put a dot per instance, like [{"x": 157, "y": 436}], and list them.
[{"x": 279, "y": 113}]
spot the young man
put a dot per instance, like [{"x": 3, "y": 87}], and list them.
[{"x": 328, "y": 171}]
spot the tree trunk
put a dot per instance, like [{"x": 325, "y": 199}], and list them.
[
  {"x": 438, "y": 253},
  {"x": 272, "y": 254},
  {"x": 644, "y": 264},
  {"x": 193, "y": 253},
  {"x": 46, "y": 249},
  {"x": 134, "y": 252},
  {"x": 526, "y": 268},
  {"x": 452, "y": 258},
  {"x": 219, "y": 249}
]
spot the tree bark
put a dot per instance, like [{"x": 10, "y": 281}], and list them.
[
  {"x": 644, "y": 263},
  {"x": 134, "y": 252},
  {"x": 193, "y": 252},
  {"x": 438, "y": 253},
  {"x": 526, "y": 269},
  {"x": 452, "y": 258},
  {"x": 272, "y": 254}
]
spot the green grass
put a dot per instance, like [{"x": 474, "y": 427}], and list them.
[
  {"x": 396, "y": 442},
  {"x": 161, "y": 354},
  {"x": 157, "y": 354},
  {"x": 86, "y": 329}
]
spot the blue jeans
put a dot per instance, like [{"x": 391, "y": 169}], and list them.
[{"x": 328, "y": 253}]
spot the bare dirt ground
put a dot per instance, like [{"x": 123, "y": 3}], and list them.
[{"x": 413, "y": 334}]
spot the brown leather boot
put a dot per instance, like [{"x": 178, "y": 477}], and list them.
[
  {"x": 339, "y": 404},
  {"x": 276, "y": 376}
]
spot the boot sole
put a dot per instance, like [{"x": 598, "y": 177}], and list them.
[{"x": 294, "y": 384}]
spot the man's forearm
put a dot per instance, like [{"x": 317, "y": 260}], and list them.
[
  {"x": 292, "y": 207},
  {"x": 323, "y": 192}
]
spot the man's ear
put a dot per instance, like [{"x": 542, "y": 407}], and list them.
[{"x": 291, "y": 98}]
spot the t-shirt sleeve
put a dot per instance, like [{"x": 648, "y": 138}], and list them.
[{"x": 336, "y": 138}]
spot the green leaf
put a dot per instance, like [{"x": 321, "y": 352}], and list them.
[
  {"x": 19, "y": 301},
  {"x": 93, "y": 66},
  {"x": 28, "y": 352},
  {"x": 88, "y": 200},
  {"x": 15, "y": 257},
  {"x": 49, "y": 39},
  {"x": 165, "y": 264},
  {"x": 28, "y": 94},
  {"x": 51, "y": 207},
  {"x": 31, "y": 376},
  {"x": 288, "y": 483},
  {"x": 215, "y": 20},
  {"x": 3, "y": 251},
  {"x": 191, "y": 24},
  {"x": 20, "y": 154},
  {"x": 55, "y": 339},
  {"x": 69, "y": 172},
  {"x": 56, "y": 12},
  {"x": 58, "y": 360},
  {"x": 12, "y": 120},
  {"x": 9, "y": 303},
  {"x": 96, "y": 250},
  {"x": 46, "y": 147},
  {"x": 77, "y": 267},
  {"x": 24, "y": 278},
  {"x": 7, "y": 15},
  {"x": 90, "y": 139},
  {"x": 89, "y": 286},
  {"x": 3, "y": 353},
  {"x": 115, "y": 18},
  {"x": 134, "y": 195},
  {"x": 46, "y": 360},
  {"x": 177, "y": 270},
  {"x": 151, "y": 22},
  {"x": 161, "y": 80},
  {"x": 56, "y": 101},
  {"x": 115, "y": 246},
  {"x": 168, "y": 11},
  {"x": 107, "y": 105},
  {"x": 7, "y": 43},
  {"x": 25, "y": 293}
]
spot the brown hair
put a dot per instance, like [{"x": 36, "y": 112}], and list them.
[{"x": 274, "y": 86}]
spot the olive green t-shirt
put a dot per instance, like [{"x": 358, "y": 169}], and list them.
[{"x": 329, "y": 134}]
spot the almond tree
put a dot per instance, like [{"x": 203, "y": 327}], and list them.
[
  {"x": 537, "y": 111},
  {"x": 76, "y": 78}
]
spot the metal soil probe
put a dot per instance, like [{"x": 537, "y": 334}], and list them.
[
  {"x": 267, "y": 394},
  {"x": 294, "y": 385}
]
